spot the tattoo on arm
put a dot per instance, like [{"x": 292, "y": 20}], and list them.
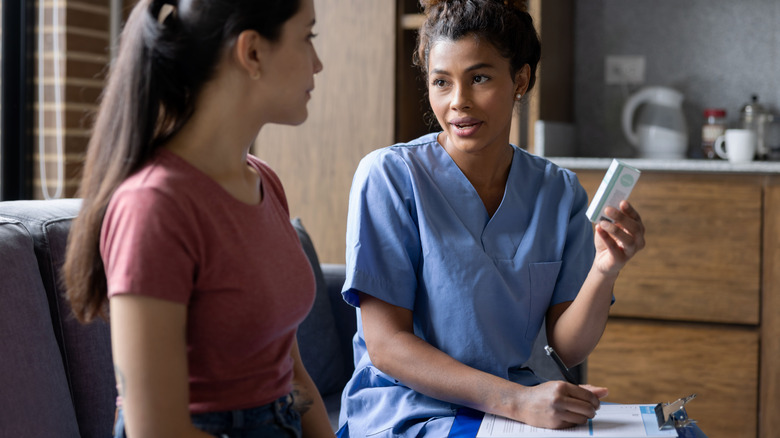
[
  {"x": 302, "y": 401},
  {"x": 120, "y": 381}
]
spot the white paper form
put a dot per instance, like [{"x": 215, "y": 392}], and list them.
[{"x": 611, "y": 420}]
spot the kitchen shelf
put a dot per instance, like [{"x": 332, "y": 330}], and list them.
[{"x": 412, "y": 21}]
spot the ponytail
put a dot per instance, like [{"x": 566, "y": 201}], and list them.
[{"x": 167, "y": 53}]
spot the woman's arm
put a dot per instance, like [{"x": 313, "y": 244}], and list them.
[
  {"x": 314, "y": 417},
  {"x": 574, "y": 328},
  {"x": 396, "y": 350},
  {"x": 150, "y": 358}
]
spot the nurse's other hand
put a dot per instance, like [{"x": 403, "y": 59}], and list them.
[
  {"x": 557, "y": 404},
  {"x": 617, "y": 242}
]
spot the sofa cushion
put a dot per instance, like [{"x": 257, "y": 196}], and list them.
[
  {"x": 85, "y": 349},
  {"x": 36, "y": 400},
  {"x": 317, "y": 337}
]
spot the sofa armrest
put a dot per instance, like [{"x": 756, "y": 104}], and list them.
[{"x": 343, "y": 313}]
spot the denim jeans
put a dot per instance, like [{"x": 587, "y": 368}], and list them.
[{"x": 277, "y": 419}]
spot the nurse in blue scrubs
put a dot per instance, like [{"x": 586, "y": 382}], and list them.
[{"x": 459, "y": 244}]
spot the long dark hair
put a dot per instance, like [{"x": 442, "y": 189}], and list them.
[
  {"x": 506, "y": 24},
  {"x": 169, "y": 49}
]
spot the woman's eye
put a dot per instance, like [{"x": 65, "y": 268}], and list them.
[
  {"x": 479, "y": 79},
  {"x": 311, "y": 36},
  {"x": 438, "y": 83}
]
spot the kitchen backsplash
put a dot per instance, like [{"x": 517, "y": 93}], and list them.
[{"x": 716, "y": 52}]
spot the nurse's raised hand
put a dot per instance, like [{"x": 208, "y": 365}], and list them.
[{"x": 617, "y": 242}]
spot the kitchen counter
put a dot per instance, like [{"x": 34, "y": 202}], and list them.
[{"x": 697, "y": 166}]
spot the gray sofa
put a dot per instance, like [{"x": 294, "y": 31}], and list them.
[{"x": 56, "y": 375}]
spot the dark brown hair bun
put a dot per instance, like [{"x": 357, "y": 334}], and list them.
[{"x": 520, "y": 5}]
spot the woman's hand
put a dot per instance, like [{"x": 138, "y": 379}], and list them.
[
  {"x": 617, "y": 242},
  {"x": 308, "y": 402},
  {"x": 557, "y": 404}
]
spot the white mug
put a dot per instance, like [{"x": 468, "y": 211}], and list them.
[{"x": 740, "y": 145}]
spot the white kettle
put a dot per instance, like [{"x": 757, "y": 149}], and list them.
[{"x": 653, "y": 121}]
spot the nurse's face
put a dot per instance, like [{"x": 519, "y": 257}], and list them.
[{"x": 472, "y": 93}]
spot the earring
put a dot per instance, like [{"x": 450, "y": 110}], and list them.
[
  {"x": 518, "y": 96},
  {"x": 166, "y": 10}
]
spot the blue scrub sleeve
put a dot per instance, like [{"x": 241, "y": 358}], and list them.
[
  {"x": 579, "y": 250},
  {"x": 383, "y": 239}
]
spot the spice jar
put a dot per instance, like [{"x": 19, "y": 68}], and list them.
[{"x": 713, "y": 127}]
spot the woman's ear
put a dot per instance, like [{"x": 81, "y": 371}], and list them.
[
  {"x": 250, "y": 52},
  {"x": 522, "y": 77}
]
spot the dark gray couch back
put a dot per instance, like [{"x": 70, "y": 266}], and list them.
[{"x": 83, "y": 352}]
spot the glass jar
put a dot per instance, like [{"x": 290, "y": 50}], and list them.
[
  {"x": 713, "y": 127},
  {"x": 755, "y": 117}
]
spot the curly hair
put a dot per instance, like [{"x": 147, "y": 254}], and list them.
[{"x": 506, "y": 24}]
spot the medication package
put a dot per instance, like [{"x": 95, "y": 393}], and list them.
[{"x": 615, "y": 187}]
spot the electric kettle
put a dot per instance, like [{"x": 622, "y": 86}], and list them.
[{"x": 653, "y": 122}]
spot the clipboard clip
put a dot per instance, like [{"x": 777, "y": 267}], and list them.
[{"x": 673, "y": 415}]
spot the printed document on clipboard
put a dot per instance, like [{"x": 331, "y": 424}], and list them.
[{"x": 611, "y": 420}]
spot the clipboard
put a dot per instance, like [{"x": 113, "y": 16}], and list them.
[{"x": 673, "y": 415}]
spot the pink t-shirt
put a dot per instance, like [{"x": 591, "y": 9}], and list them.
[{"x": 173, "y": 233}]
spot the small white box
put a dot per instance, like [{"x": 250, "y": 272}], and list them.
[
  {"x": 554, "y": 139},
  {"x": 615, "y": 187}
]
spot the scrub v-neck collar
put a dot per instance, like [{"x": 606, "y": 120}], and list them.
[{"x": 468, "y": 206}]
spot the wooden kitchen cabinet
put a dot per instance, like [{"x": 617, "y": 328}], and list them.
[
  {"x": 703, "y": 256},
  {"x": 645, "y": 361},
  {"x": 769, "y": 387},
  {"x": 698, "y": 310}
]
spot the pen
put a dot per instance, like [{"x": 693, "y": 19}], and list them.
[{"x": 561, "y": 367}]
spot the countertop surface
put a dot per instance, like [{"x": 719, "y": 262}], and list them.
[{"x": 700, "y": 166}]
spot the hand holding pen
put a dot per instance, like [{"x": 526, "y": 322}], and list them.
[
  {"x": 597, "y": 391},
  {"x": 557, "y": 404}
]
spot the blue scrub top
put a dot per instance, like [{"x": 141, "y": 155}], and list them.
[{"x": 419, "y": 237}]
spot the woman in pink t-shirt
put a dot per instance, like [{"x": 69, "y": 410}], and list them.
[{"x": 184, "y": 237}]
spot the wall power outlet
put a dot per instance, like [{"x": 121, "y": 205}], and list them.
[{"x": 621, "y": 69}]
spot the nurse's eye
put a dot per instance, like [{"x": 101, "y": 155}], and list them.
[
  {"x": 438, "y": 83},
  {"x": 480, "y": 79}
]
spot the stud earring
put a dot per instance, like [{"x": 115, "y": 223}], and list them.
[
  {"x": 166, "y": 10},
  {"x": 518, "y": 96}
]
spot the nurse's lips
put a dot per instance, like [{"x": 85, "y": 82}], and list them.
[{"x": 465, "y": 126}]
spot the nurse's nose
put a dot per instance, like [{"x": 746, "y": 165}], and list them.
[{"x": 461, "y": 98}]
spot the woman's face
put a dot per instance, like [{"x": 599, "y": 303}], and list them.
[
  {"x": 292, "y": 66},
  {"x": 472, "y": 93}
]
